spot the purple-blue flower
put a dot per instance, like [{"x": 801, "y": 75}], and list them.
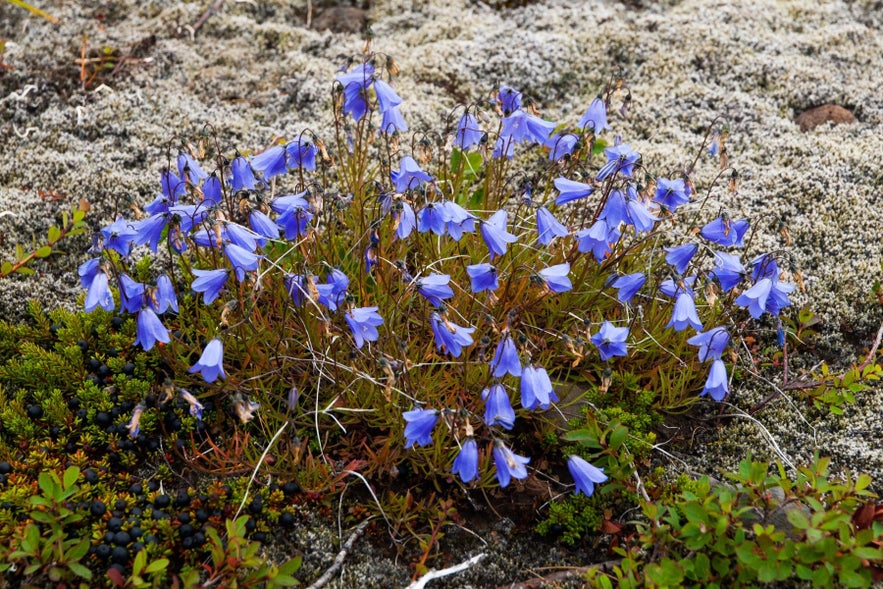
[
  {"x": 494, "y": 233},
  {"x": 597, "y": 239},
  {"x": 149, "y": 230},
  {"x": 99, "y": 294},
  {"x": 211, "y": 192},
  {"x": 468, "y": 132},
  {"x": 610, "y": 341},
  {"x": 164, "y": 295},
  {"x": 150, "y": 329},
  {"x": 301, "y": 154},
  {"x": 712, "y": 343},
  {"x": 680, "y": 256},
  {"x": 509, "y": 464},
  {"x": 435, "y": 288},
  {"x": 561, "y": 145},
  {"x": 270, "y": 162},
  {"x": 725, "y": 232},
  {"x": 766, "y": 295},
  {"x": 88, "y": 270},
  {"x": 431, "y": 218},
  {"x": 728, "y": 270},
  {"x": 466, "y": 462},
  {"x": 131, "y": 294},
  {"x": 263, "y": 225},
  {"x": 405, "y": 219},
  {"x": 211, "y": 363},
  {"x": 595, "y": 116},
  {"x": 638, "y": 216},
  {"x": 483, "y": 277},
  {"x": 300, "y": 287},
  {"x": 628, "y": 285},
  {"x": 506, "y": 359},
  {"x": 386, "y": 96},
  {"x": 118, "y": 236},
  {"x": 189, "y": 168},
  {"x": 457, "y": 220},
  {"x": 548, "y": 227},
  {"x": 242, "y": 175},
  {"x": 536, "y": 388},
  {"x": 716, "y": 385},
  {"x": 585, "y": 475},
  {"x": 363, "y": 322},
  {"x": 556, "y": 278},
  {"x": 355, "y": 89},
  {"x": 409, "y": 176},
  {"x": 497, "y": 408},
  {"x": 509, "y": 99},
  {"x": 419, "y": 425},
  {"x": 241, "y": 259},
  {"x": 210, "y": 283},
  {"x": 392, "y": 121},
  {"x": 521, "y": 126},
  {"x": 672, "y": 193},
  {"x": 570, "y": 190},
  {"x": 449, "y": 336},
  {"x": 684, "y": 313},
  {"x": 620, "y": 159}
]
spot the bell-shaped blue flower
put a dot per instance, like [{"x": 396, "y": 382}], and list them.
[
  {"x": 450, "y": 337},
  {"x": 270, "y": 162},
  {"x": 209, "y": 283},
  {"x": 301, "y": 154},
  {"x": 172, "y": 187},
  {"x": 468, "y": 132},
  {"x": 99, "y": 294},
  {"x": 755, "y": 298},
  {"x": 497, "y": 408},
  {"x": 386, "y": 97},
  {"x": 672, "y": 193},
  {"x": 509, "y": 465},
  {"x": 598, "y": 239},
  {"x": 570, "y": 190},
  {"x": 363, "y": 322},
  {"x": 212, "y": 193},
  {"x": 716, "y": 385},
  {"x": 483, "y": 277},
  {"x": 509, "y": 99},
  {"x": 638, "y": 216},
  {"x": 241, "y": 259},
  {"x": 495, "y": 235},
  {"x": 355, "y": 89},
  {"x": 725, "y": 232},
  {"x": 242, "y": 175},
  {"x": 431, "y": 218},
  {"x": 392, "y": 122},
  {"x": 536, "y": 388},
  {"x": 728, "y": 270},
  {"x": 164, "y": 295},
  {"x": 263, "y": 225},
  {"x": 149, "y": 230},
  {"x": 712, "y": 343},
  {"x": 466, "y": 463},
  {"x": 561, "y": 145},
  {"x": 680, "y": 256},
  {"x": 620, "y": 159},
  {"x": 435, "y": 288},
  {"x": 118, "y": 236},
  {"x": 457, "y": 220},
  {"x": 506, "y": 359},
  {"x": 409, "y": 176},
  {"x": 150, "y": 329},
  {"x": 521, "y": 126},
  {"x": 405, "y": 219},
  {"x": 419, "y": 426},
  {"x": 595, "y": 117},
  {"x": 585, "y": 475},
  {"x": 189, "y": 169},
  {"x": 611, "y": 341},
  {"x": 548, "y": 227},
  {"x": 628, "y": 285},
  {"x": 684, "y": 314},
  {"x": 211, "y": 363},
  {"x": 556, "y": 278},
  {"x": 131, "y": 294}
]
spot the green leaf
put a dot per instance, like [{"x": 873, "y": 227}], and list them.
[
  {"x": 797, "y": 519},
  {"x": 582, "y": 436},
  {"x": 599, "y": 146},
  {"x": 44, "y": 252},
  {"x": 42, "y": 517},
  {"x": 157, "y": 566},
  {"x": 25, "y": 270},
  {"x": 284, "y": 581},
  {"x": 617, "y": 436},
  {"x": 80, "y": 570},
  {"x": 6, "y": 268},
  {"x": 54, "y": 234},
  {"x": 852, "y": 579},
  {"x": 70, "y": 476},
  {"x": 79, "y": 551},
  {"x": 49, "y": 484},
  {"x": 79, "y": 215},
  {"x": 290, "y": 567}
]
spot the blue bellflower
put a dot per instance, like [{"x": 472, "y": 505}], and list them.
[
  {"x": 468, "y": 132},
  {"x": 506, "y": 359},
  {"x": 548, "y": 227},
  {"x": 680, "y": 256},
  {"x": 409, "y": 176},
  {"x": 263, "y": 225},
  {"x": 270, "y": 162},
  {"x": 521, "y": 126},
  {"x": 190, "y": 169},
  {"x": 387, "y": 98},
  {"x": 212, "y": 193},
  {"x": 300, "y": 154},
  {"x": 495, "y": 235},
  {"x": 164, "y": 295},
  {"x": 509, "y": 465},
  {"x": 555, "y": 278},
  {"x": 509, "y": 99},
  {"x": 684, "y": 314},
  {"x": 118, "y": 236},
  {"x": 355, "y": 90},
  {"x": 483, "y": 277},
  {"x": 570, "y": 190},
  {"x": 241, "y": 259},
  {"x": 620, "y": 159},
  {"x": 595, "y": 117},
  {"x": 597, "y": 239},
  {"x": 728, "y": 270},
  {"x": 561, "y": 145},
  {"x": 449, "y": 336},
  {"x": 419, "y": 425},
  {"x": 497, "y": 409},
  {"x": 405, "y": 220},
  {"x": 363, "y": 322},
  {"x": 672, "y": 193},
  {"x": 458, "y": 220},
  {"x": 611, "y": 341},
  {"x": 725, "y": 232},
  {"x": 536, "y": 388},
  {"x": 211, "y": 363},
  {"x": 431, "y": 218},
  {"x": 210, "y": 283},
  {"x": 717, "y": 385},
  {"x": 466, "y": 463},
  {"x": 392, "y": 122},
  {"x": 242, "y": 175},
  {"x": 99, "y": 294},
  {"x": 435, "y": 288},
  {"x": 150, "y": 329},
  {"x": 149, "y": 230},
  {"x": 712, "y": 343},
  {"x": 628, "y": 286},
  {"x": 585, "y": 475},
  {"x": 131, "y": 294}
]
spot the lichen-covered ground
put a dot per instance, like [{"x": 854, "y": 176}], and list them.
[{"x": 255, "y": 71}]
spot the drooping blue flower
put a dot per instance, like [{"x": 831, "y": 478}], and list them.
[
  {"x": 118, "y": 236},
  {"x": 483, "y": 277},
  {"x": 150, "y": 329},
  {"x": 355, "y": 89},
  {"x": 242, "y": 175},
  {"x": 506, "y": 359},
  {"x": 189, "y": 169},
  {"x": 468, "y": 132},
  {"x": 672, "y": 193},
  {"x": 212, "y": 192},
  {"x": 409, "y": 176},
  {"x": 392, "y": 122},
  {"x": 363, "y": 322},
  {"x": 504, "y": 147},
  {"x": 680, "y": 256},
  {"x": 725, "y": 232},
  {"x": 509, "y": 99},
  {"x": 386, "y": 97},
  {"x": 595, "y": 116},
  {"x": 99, "y": 294},
  {"x": 149, "y": 230},
  {"x": 241, "y": 259},
  {"x": 638, "y": 216},
  {"x": 87, "y": 271},
  {"x": 561, "y": 145},
  {"x": 536, "y": 388},
  {"x": 172, "y": 187},
  {"x": 419, "y": 425},
  {"x": 778, "y": 298},
  {"x": 585, "y": 475},
  {"x": 288, "y": 202},
  {"x": 765, "y": 295},
  {"x": 497, "y": 408},
  {"x": 187, "y": 216},
  {"x": 556, "y": 277},
  {"x": 333, "y": 292},
  {"x": 435, "y": 288},
  {"x": 450, "y": 337},
  {"x": 131, "y": 294},
  {"x": 684, "y": 314},
  {"x": 764, "y": 266},
  {"x": 610, "y": 341},
  {"x": 295, "y": 222},
  {"x": 164, "y": 295},
  {"x": 243, "y": 236},
  {"x": 548, "y": 227},
  {"x": 628, "y": 285},
  {"x": 270, "y": 162},
  {"x": 521, "y": 126},
  {"x": 263, "y": 225},
  {"x": 728, "y": 270},
  {"x": 210, "y": 283},
  {"x": 620, "y": 159},
  {"x": 509, "y": 465},
  {"x": 211, "y": 363},
  {"x": 716, "y": 386},
  {"x": 300, "y": 287},
  {"x": 405, "y": 219},
  {"x": 466, "y": 463},
  {"x": 457, "y": 220},
  {"x": 670, "y": 288},
  {"x": 495, "y": 235},
  {"x": 431, "y": 218},
  {"x": 597, "y": 239},
  {"x": 712, "y": 343},
  {"x": 301, "y": 154}
]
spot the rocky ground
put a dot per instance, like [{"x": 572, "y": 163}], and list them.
[{"x": 89, "y": 108}]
